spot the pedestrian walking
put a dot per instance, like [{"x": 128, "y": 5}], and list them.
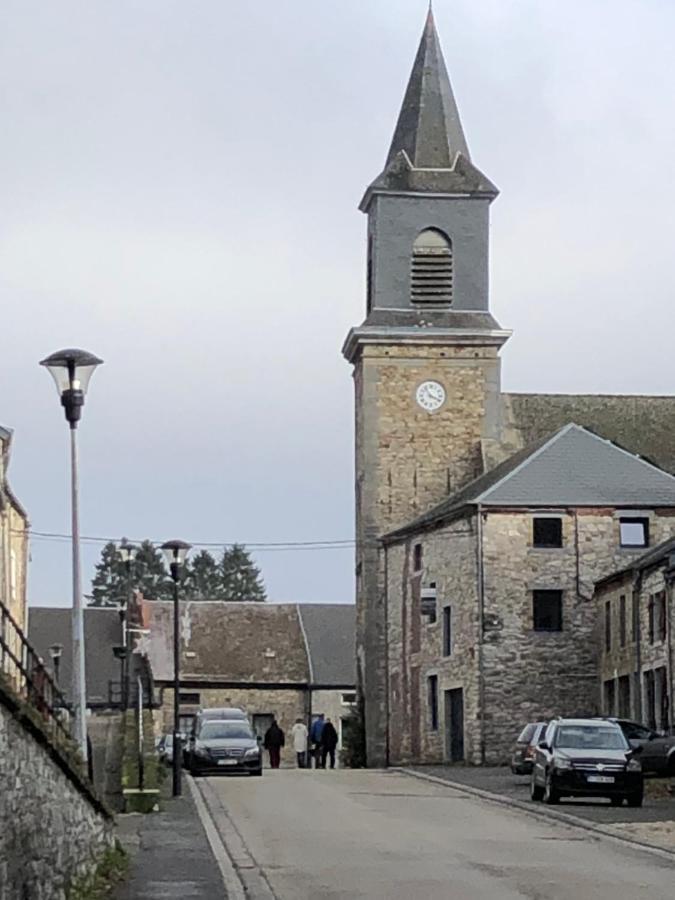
[
  {"x": 300, "y": 735},
  {"x": 329, "y": 741},
  {"x": 315, "y": 736},
  {"x": 273, "y": 742}
]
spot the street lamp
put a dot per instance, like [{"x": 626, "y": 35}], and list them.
[
  {"x": 127, "y": 554},
  {"x": 71, "y": 371},
  {"x": 55, "y": 651},
  {"x": 175, "y": 553}
]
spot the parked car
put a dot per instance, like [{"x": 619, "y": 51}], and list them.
[
  {"x": 165, "y": 747},
  {"x": 224, "y": 747},
  {"x": 523, "y": 753},
  {"x": 220, "y": 713},
  {"x": 657, "y": 750},
  {"x": 586, "y": 758}
]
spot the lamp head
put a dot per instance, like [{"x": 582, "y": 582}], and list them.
[{"x": 71, "y": 370}]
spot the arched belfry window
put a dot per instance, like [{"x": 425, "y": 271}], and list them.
[{"x": 431, "y": 281}]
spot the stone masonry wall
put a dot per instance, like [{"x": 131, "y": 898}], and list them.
[
  {"x": 449, "y": 558},
  {"x": 532, "y": 675},
  {"x": 621, "y": 659},
  {"x": 50, "y": 831},
  {"x": 406, "y": 460}
]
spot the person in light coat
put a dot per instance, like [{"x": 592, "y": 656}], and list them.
[{"x": 300, "y": 733}]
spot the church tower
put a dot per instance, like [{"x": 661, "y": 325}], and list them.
[{"x": 426, "y": 364}]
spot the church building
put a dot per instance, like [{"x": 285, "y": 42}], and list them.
[{"x": 483, "y": 518}]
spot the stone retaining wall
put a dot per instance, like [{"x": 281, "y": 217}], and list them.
[{"x": 53, "y": 829}]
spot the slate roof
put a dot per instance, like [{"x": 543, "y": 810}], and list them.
[
  {"x": 330, "y": 630},
  {"x": 102, "y": 631},
  {"x": 572, "y": 467},
  {"x": 253, "y": 642},
  {"x": 642, "y": 424},
  {"x": 428, "y": 152},
  {"x": 653, "y": 557}
]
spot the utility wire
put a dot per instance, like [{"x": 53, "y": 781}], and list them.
[{"x": 341, "y": 544}]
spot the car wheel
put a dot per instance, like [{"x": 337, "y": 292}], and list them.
[
  {"x": 635, "y": 800},
  {"x": 536, "y": 792},
  {"x": 551, "y": 796},
  {"x": 616, "y": 801}
]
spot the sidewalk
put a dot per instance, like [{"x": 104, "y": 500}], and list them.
[{"x": 169, "y": 855}]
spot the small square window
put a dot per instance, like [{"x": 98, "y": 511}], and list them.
[
  {"x": 546, "y": 532},
  {"x": 348, "y": 698},
  {"x": 634, "y": 532},
  {"x": 547, "y": 610}
]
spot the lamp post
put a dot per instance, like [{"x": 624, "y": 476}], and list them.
[
  {"x": 175, "y": 553},
  {"x": 71, "y": 371},
  {"x": 127, "y": 553},
  {"x": 55, "y": 652}
]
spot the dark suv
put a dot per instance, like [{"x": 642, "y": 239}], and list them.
[
  {"x": 586, "y": 758},
  {"x": 225, "y": 747},
  {"x": 526, "y": 744},
  {"x": 657, "y": 750}
]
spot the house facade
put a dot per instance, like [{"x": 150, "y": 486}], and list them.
[
  {"x": 430, "y": 417},
  {"x": 491, "y": 618},
  {"x": 13, "y": 541},
  {"x": 281, "y": 660},
  {"x": 635, "y": 611}
]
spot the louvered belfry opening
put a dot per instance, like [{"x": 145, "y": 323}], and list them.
[{"x": 431, "y": 282}]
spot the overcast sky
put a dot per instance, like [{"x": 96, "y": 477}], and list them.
[{"x": 180, "y": 184}]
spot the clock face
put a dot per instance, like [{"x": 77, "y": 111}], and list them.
[{"x": 430, "y": 395}]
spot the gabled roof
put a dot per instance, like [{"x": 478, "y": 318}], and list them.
[
  {"x": 330, "y": 631},
  {"x": 572, "y": 467},
  {"x": 661, "y": 554},
  {"x": 102, "y": 631},
  {"x": 254, "y": 643}
]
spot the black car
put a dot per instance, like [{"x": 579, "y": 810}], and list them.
[
  {"x": 526, "y": 744},
  {"x": 225, "y": 747},
  {"x": 657, "y": 750},
  {"x": 586, "y": 758}
]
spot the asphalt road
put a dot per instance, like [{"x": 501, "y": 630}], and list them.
[{"x": 308, "y": 835}]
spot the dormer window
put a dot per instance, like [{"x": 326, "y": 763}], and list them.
[{"x": 431, "y": 276}]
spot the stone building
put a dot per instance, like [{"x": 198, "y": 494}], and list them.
[
  {"x": 430, "y": 415},
  {"x": 13, "y": 541},
  {"x": 271, "y": 659},
  {"x": 636, "y": 613}
]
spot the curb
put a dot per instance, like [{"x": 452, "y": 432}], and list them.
[{"x": 548, "y": 815}]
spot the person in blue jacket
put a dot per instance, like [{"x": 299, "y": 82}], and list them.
[{"x": 315, "y": 737}]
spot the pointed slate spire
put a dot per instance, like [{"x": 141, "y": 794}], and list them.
[{"x": 429, "y": 129}]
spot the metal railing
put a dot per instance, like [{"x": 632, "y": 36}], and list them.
[{"x": 25, "y": 672}]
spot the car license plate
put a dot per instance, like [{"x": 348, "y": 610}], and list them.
[
  {"x": 601, "y": 779},
  {"x": 233, "y": 762}
]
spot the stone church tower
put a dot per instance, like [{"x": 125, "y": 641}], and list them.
[{"x": 426, "y": 363}]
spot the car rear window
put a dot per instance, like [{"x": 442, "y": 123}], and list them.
[{"x": 526, "y": 734}]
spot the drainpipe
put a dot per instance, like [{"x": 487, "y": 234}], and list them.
[
  {"x": 670, "y": 577},
  {"x": 637, "y": 584},
  {"x": 481, "y": 609},
  {"x": 386, "y": 655}
]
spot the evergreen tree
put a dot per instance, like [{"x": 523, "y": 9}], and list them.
[
  {"x": 149, "y": 574},
  {"x": 240, "y": 577},
  {"x": 203, "y": 580},
  {"x": 110, "y": 586},
  {"x": 112, "y": 582}
]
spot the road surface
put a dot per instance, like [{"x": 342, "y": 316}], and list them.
[{"x": 322, "y": 835}]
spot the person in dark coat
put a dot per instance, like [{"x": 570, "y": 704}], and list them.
[
  {"x": 329, "y": 741},
  {"x": 273, "y": 742},
  {"x": 315, "y": 738}
]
